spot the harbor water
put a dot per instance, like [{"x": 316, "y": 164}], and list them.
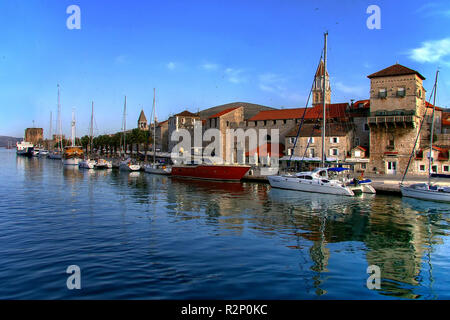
[{"x": 142, "y": 236}]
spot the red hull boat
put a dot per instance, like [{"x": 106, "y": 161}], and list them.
[{"x": 211, "y": 172}]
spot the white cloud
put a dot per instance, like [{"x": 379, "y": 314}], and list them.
[
  {"x": 276, "y": 84},
  {"x": 121, "y": 59},
  {"x": 210, "y": 66},
  {"x": 171, "y": 65},
  {"x": 235, "y": 75},
  {"x": 353, "y": 90},
  {"x": 431, "y": 51}
]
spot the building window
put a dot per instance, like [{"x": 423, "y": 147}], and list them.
[
  {"x": 363, "y": 166},
  {"x": 292, "y": 140},
  {"x": 265, "y": 122},
  {"x": 434, "y": 168},
  {"x": 382, "y": 93},
  {"x": 310, "y": 140},
  {"x": 228, "y": 123},
  {"x": 284, "y": 121},
  {"x": 401, "y": 92},
  {"x": 182, "y": 120},
  {"x": 334, "y": 140},
  {"x": 274, "y": 122},
  {"x": 366, "y": 127},
  {"x": 391, "y": 141},
  {"x": 445, "y": 168},
  {"x": 422, "y": 168},
  {"x": 290, "y": 151},
  {"x": 357, "y": 141},
  {"x": 357, "y": 153},
  {"x": 334, "y": 152},
  {"x": 312, "y": 153}
]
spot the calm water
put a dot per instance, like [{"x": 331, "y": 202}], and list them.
[{"x": 139, "y": 236}]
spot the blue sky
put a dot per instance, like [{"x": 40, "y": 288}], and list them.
[{"x": 202, "y": 53}]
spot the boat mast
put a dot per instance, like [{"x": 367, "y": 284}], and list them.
[
  {"x": 432, "y": 128},
  {"x": 324, "y": 83},
  {"x": 73, "y": 129},
  {"x": 60, "y": 144},
  {"x": 91, "y": 131},
  {"x": 50, "y": 132},
  {"x": 124, "y": 126},
  {"x": 154, "y": 126}
]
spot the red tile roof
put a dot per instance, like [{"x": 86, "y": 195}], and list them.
[
  {"x": 395, "y": 70},
  {"x": 186, "y": 113},
  {"x": 359, "y": 147},
  {"x": 429, "y": 105},
  {"x": 221, "y": 113},
  {"x": 446, "y": 119},
  {"x": 335, "y": 110},
  {"x": 366, "y": 104},
  {"x": 267, "y": 149},
  {"x": 282, "y": 114}
]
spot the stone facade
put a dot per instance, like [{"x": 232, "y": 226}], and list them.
[
  {"x": 397, "y": 105},
  {"x": 34, "y": 135},
  {"x": 184, "y": 120}
]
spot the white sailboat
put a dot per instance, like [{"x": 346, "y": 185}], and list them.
[
  {"x": 72, "y": 155},
  {"x": 156, "y": 168},
  {"x": 57, "y": 154},
  {"x": 317, "y": 180},
  {"x": 427, "y": 191},
  {"x": 88, "y": 163},
  {"x": 127, "y": 164}
]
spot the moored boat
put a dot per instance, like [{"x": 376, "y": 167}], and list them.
[
  {"x": 425, "y": 191},
  {"x": 87, "y": 164},
  {"x": 72, "y": 156},
  {"x": 157, "y": 169},
  {"x": 128, "y": 165},
  {"x": 103, "y": 164},
  {"x": 210, "y": 171},
  {"x": 313, "y": 181},
  {"x": 24, "y": 149}
]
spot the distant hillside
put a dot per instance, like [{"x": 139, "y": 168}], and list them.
[
  {"x": 250, "y": 109},
  {"x": 4, "y": 141}
]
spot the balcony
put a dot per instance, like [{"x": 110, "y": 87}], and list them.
[{"x": 392, "y": 120}]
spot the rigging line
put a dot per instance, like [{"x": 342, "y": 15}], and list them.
[
  {"x": 417, "y": 137},
  {"x": 304, "y": 112},
  {"x": 310, "y": 136}
]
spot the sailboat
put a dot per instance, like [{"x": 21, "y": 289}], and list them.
[
  {"x": 73, "y": 154},
  {"x": 127, "y": 164},
  {"x": 156, "y": 168},
  {"x": 319, "y": 180},
  {"x": 427, "y": 191},
  {"x": 89, "y": 163},
  {"x": 57, "y": 154}
]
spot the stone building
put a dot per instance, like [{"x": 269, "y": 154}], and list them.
[
  {"x": 308, "y": 147},
  {"x": 34, "y": 135},
  {"x": 440, "y": 160},
  {"x": 223, "y": 121},
  {"x": 162, "y": 136},
  {"x": 317, "y": 91},
  {"x": 142, "y": 121},
  {"x": 183, "y": 120},
  {"x": 397, "y": 106}
]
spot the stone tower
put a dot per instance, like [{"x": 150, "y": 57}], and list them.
[
  {"x": 142, "y": 121},
  {"x": 397, "y": 105},
  {"x": 317, "y": 87}
]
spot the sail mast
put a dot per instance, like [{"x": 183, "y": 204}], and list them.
[
  {"x": 124, "y": 126},
  {"x": 50, "y": 132},
  {"x": 91, "y": 131},
  {"x": 432, "y": 128},
  {"x": 73, "y": 128},
  {"x": 60, "y": 144},
  {"x": 324, "y": 83},
  {"x": 154, "y": 126}
]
